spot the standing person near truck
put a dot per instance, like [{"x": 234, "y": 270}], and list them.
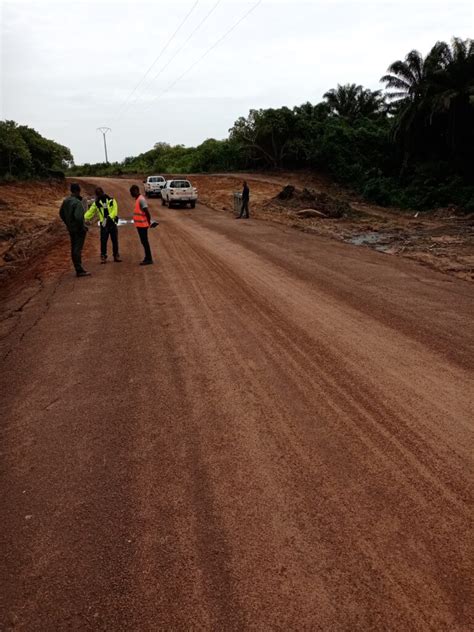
[
  {"x": 244, "y": 209},
  {"x": 142, "y": 221},
  {"x": 72, "y": 214},
  {"x": 107, "y": 210}
]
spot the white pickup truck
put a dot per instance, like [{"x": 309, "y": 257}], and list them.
[
  {"x": 154, "y": 185},
  {"x": 179, "y": 193}
]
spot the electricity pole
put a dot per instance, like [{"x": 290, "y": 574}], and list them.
[{"x": 103, "y": 131}]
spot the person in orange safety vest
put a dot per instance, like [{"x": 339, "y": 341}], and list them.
[{"x": 142, "y": 221}]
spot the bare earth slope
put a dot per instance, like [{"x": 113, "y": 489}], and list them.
[
  {"x": 29, "y": 223},
  {"x": 265, "y": 430}
]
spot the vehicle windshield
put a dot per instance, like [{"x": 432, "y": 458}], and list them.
[
  {"x": 180, "y": 184},
  {"x": 156, "y": 179}
]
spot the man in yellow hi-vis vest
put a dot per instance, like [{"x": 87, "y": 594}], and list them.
[{"x": 107, "y": 209}]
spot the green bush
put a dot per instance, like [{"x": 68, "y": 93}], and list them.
[{"x": 24, "y": 153}]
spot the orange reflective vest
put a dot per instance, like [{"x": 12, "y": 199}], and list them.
[{"x": 139, "y": 218}]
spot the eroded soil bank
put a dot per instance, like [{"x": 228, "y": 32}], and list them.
[{"x": 29, "y": 223}]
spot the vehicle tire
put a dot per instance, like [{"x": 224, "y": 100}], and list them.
[
  {"x": 170, "y": 204},
  {"x": 163, "y": 201},
  {"x": 146, "y": 194},
  {"x": 192, "y": 204}
]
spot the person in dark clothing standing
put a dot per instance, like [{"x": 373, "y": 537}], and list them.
[
  {"x": 107, "y": 210},
  {"x": 72, "y": 214},
  {"x": 142, "y": 221},
  {"x": 244, "y": 209}
]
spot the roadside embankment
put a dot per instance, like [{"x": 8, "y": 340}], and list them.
[{"x": 29, "y": 223}]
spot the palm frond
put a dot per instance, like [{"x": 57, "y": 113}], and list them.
[
  {"x": 402, "y": 70},
  {"x": 396, "y": 82},
  {"x": 414, "y": 61},
  {"x": 397, "y": 96}
]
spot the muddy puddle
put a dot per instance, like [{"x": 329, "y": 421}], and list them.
[{"x": 383, "y": 242}]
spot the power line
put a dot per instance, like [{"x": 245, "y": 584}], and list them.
[
  {"x": 158, "y": 57},
  {"x": 205, "y": 18},
  {"x": 228, "y": 32}
]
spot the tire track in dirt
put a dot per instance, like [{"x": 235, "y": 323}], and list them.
[
  {"x": 348, "y": 374},
  {"x": 183, "y": 256},
  {"x": 268, "y": 452}
]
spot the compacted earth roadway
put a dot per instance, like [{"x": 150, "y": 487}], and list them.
[{"x": 265, "y": 430}]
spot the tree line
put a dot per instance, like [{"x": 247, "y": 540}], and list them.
[
  {"x": 410, "y": 145},
  {"x": 24, "y": 153}
]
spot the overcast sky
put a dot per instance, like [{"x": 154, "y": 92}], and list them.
[{"x": 70, "y": 67}]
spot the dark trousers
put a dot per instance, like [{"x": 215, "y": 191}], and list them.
[
  {"x": 244, "y": 209},
  {"x": 112, "y": 230},
  {"x": 143, "y": 234},
  {"x": 77, "y": 243}
]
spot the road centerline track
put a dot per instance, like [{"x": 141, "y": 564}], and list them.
[{"x": 265, "y": 430}]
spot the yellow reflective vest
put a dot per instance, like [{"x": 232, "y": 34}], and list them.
[{"x": 99, "y": 207}]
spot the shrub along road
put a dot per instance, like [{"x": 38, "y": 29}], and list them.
[{"x": 264, "y": 430}]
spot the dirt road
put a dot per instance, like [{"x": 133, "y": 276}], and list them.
[{"x": 265, "y": 430}]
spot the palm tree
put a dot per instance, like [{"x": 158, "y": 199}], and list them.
[
  {"x": 371, "y": 102},
  {"x": 451, "y": 90},
  {"x": 406, "y": 82},
  {"x": 424, "y": 89},
  {"x": 343, "y": 99},
  {"x": 351, "y": 101},
  {"x": 405, "y": 78}
]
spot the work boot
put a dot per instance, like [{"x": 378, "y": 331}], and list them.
[
  {"x": 103, "y": 258},
  {"x": 117, "y": 259},
  {"x": 146, "y": 262},
  {"x": 83, "y": 273}
]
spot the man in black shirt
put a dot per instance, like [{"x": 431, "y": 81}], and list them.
[
  {"x": 72, "y": 214},
  {"x": 244, "y": 209}
]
